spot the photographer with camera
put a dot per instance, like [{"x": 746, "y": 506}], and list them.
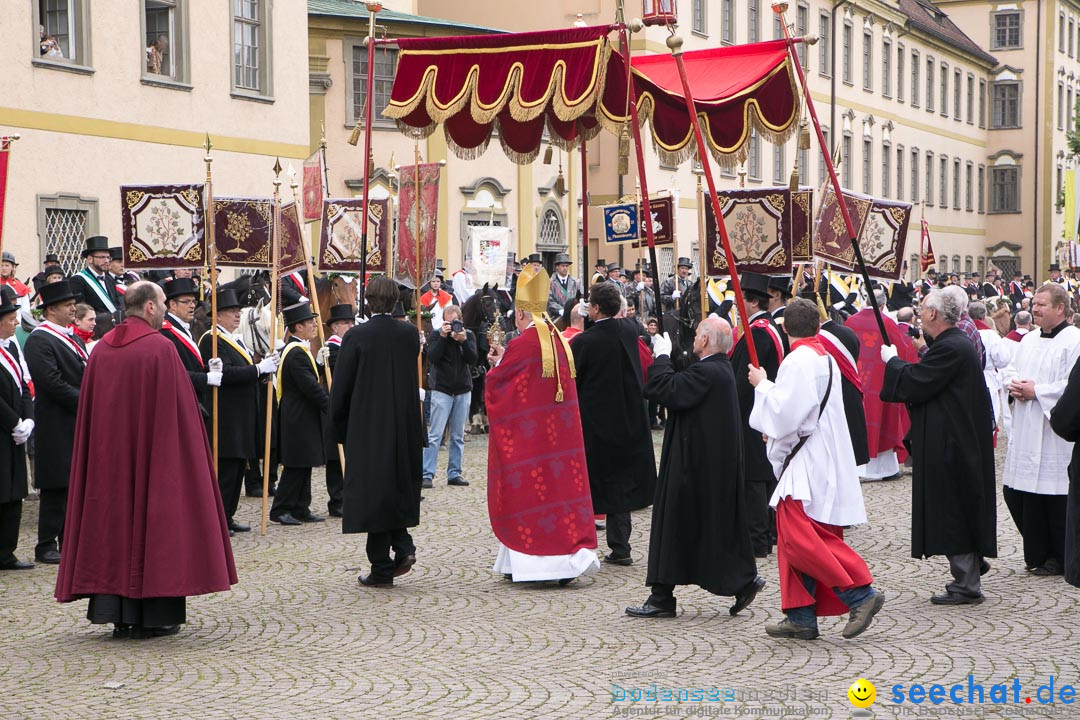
[{"x": 451, "y": 352}]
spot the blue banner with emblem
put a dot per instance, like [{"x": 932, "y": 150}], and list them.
[{"x": 620, "y": 223}]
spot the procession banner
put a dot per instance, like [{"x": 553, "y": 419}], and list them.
[
  {"x": 242, "y": 234},
  {"x": 489, "y": 247},
  {"x": 883, "y": 237},
  {"x": 760, "y": 224},
  {"x": 926, "y": 249},
  {"x": 620, "y": 223},
  {"x": 163, "y": 226},
  {"x": 802, "y": 224},
  {"x": 831, "y": 241},
  {"x": 291, "y": 252},
  {"x": 662, "y": 210},
  {"x": 405, "y": 260},
  {"x": 340, "y": 235},
  {"x": 5, "y": 154},
  {"x": 313, "y": 189}
]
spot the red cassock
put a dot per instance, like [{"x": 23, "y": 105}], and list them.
[
  {"x": 538, "y": 485},
  {"x": 886, "y": 423},
  {"x": 144, "y": 515}
]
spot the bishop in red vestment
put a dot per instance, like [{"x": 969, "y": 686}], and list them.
[{"x": 145, "y": 526}]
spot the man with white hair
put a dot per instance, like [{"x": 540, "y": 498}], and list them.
[
  {"x": 998, "y": 356},
  {"x": 953, "y": 492},
  {"x": 1036, "y": 465},
  {"x": 964, "y": 324},
  {"x": 1023, "y": 327}
]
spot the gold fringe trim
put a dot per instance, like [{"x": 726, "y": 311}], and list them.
[{"x": 547, "y": 349}]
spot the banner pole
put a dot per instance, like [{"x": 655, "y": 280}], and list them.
[
  {"x": 369, "y": 41},
  {"x": 703, "y": 276},
  {"x": 275, "y": 260},
  {"x": 584, "y": 258},
  {"x": 5, "y": 149},
  {"x": 211, "y": 249}
]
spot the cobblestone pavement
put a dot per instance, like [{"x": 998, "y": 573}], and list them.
[{"x": 298, "y": 637}]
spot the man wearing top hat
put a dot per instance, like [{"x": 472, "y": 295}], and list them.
[
  {"x": 56, "y": 360},
  {"x": 342, "y": 318},
  {"x": 779, "y": 294},
  {"x": 599, "y": 272},
  {"x": 673, "y": 288},
  {"x": 120, "y": 278},
  {"x": 302, "y": 407},
  {"x": 436, "y": 299},
  {"x": 535, "y": 261},
  {"x": 564, "y": 286},
  {"x": 8, "y": 279},
  {"x": 769, "y": 344},
  {"x": 181, "y": 297},
  {"x": 614, "y": 274},
  {"x": 93, "y": 283},
  {"x": 17, "y": 417},
  {"x": 239, "y": 422}
]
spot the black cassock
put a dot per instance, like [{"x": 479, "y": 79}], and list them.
[
  {"x": 375, "y": 407},
  {"x": 1065, "y": 420},
  {"x": 699, "y": 534},
  {"x": 57, "y": 373},
  {"x": 953, "y": 487},
  {"x": 853, "y": 396},
  {"x": 614, "y": 419},
  {"x": 239, "y": 421},
  {"x": 300, "y": 411},
  {"x": 15, "y": 405}
]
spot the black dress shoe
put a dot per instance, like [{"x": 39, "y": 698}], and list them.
[
  {"x": 984, "y": 567},
  {"x": 1049, "y": 568},
  {"x": 310, "y": 518},
  {"x": 286, "y": 519},
  {"x": 404, "y": 565},
  {"x": 121, "y": 631},
  {"x": 612, "y": 559},
  {"x": 954, "y": 598},
  {"x": 369, "y": 581},
  {"x": 16, "y": 564},
  {"x": 761, "y": 552},
  {"x": 458, "y": 482},
  {"x": 155, "y": 632},
  {"x": 49, "y": 557},
  {"x": 426, "y": 484},
  {"x": 650, "y": 611},
  {"x": 746, "y": 596},
  {"x": 333, "y": 512},
  {"x": 238, "y": 527}
]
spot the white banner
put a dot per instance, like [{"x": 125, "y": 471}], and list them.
[{"x": 488, "y": 248}]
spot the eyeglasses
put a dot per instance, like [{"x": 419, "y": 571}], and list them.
[
  {"x": 101, "y": 257},
  {"x": 189, "y": 301}
]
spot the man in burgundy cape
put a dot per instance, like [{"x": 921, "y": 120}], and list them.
[{"x": 145, "y": 524}]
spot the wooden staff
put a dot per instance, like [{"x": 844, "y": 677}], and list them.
[
  {"x": 211, "y": 250},
  {"x": 305, "y": 247},
  {"x": 703, "y": 277},
  {"x": 640, "y": 246},
  {"x": 584, "y": 258},
  {"x": 416, "y": 241},
  {"x": 373, "y": 9},
  {"x": 5, "y": 146},
  {"x": 275, "y": 253}
]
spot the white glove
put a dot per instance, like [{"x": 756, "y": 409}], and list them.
[
  {"x": 213, "y": 379},
  {"x": 215, "y": 365},
  {"x": 888, "y": 352},
  {"x": 323, "y": 355},
  {"x": 661, "y": 345},
  {"x": 22, "y": 431},
  {"x": 676, "y": 294},
  {"x": 422, "y": 394},
  {"x": 267, "y": 365},
  {"x": 279, "y": 345},
  {"x": 640, "y": 286},
  {"x": 582, "y": 309}
]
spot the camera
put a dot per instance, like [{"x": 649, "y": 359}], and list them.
[
  {"x": 456, "y": 326},
  {"x": 914, "y": 332}
]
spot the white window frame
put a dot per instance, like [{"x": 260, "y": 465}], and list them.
[
  {"x": 78, "y": 58},
  {"x": 264, "y": 35}
]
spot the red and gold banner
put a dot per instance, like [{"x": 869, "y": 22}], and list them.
[
  {"x": 314, "y": 191},
  {"x": 883, "y": 238},
  {"x": 5, "y": 154},
  {"x": 763, "y": 224},
  {"x": 163, "y": 226},
  {"x": 341, "y": 236},
  {"x": 409, "y": 238},
  {"x": 831, "y": 241},
  {"x": 663, "y": 217},
  {"x": 291, "y": 252},
  {"x": 242, "y": 234}
]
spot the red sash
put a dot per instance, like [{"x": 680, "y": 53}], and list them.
[
  {"x": 763, "y": 323},
  {"x": 75, "y": 347},
  {"x": 843, "y": 358},
  {"x": 12, "y": 367},
  {"x": 333, "y": 340},
  {"x": 184, "y": 340}
]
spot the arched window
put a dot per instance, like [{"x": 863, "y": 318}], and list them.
[
  {"x": 956, "y": 263},
  {"x": 551, "y": 227},
  {"x": 968, "y": 260}
]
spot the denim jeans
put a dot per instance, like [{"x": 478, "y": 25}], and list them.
[
  {"x": 806, "y": 616},
  {"x": 455, "y": 410}
]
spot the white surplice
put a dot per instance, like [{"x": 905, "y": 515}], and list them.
[
  {"x": 1038, "y": 459},
  {"x": 998, "y": 357},
  {"x": 534, "y": 568},
  {"x": 822, "y": 474}
]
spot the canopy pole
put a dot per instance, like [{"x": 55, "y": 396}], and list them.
[
  {"x": 703, "y": 277},
  {"x": 780, "y": 8},
  {"x": 211, "y": 248},
  {"x": 584, "y": 258},
  {"x": 275, "y": 259},
  {"x": 674, "y": 43}
]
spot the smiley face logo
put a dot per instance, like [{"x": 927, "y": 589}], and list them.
[{"x": 862, "y": 693}]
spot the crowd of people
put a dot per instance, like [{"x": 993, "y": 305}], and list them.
[{"x": 768, "y": 435}]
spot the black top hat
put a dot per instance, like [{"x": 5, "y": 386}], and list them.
[
  {"x": 534, "y": 258},
  {"x": 439, "y": 264},
  {"x": 781, "y": 283},
  {"x": 52, "y": 258},
  {"x": 755, "y": 284},
  {"x": 339, "y": 313},
  {"x": 96, "y": 243},
  {"x": 116, "y": 253},
  {"x": 684, "y": 262},
  {"x": 600, "y": 263},
  {"x": 51, "y": 270},
  {"x": 57, "y": 292},
  {"x": 297, "y": 313},
  {"x": 399, "y": 310},
  {"x": 7, "y": 293},
  {"x": 931, "y": 271},
  {"x": 226, "y": 299},
  {"x": 563, "y": 259},
  {"x": 1055, "y": 266},
  {"x": 7, "y": 301},
  {"x": 175, "y": 287}
]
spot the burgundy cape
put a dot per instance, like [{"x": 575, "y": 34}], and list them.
[
  {"x": 538, "y": 484},
  {"x": 886, "y": 423},
  {"x": 144, "y": 514}
]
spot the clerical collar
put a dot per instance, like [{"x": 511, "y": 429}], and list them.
[
  {"x": 177, "y": 322},
  {"x": 1064, "y": 324}
]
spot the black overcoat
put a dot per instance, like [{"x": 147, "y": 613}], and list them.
[
  {"x": 614, "y": 418},
  {"x": 192, "y": 362},
  {"x": 756, "y": 462},
  {"x": 375, "y": 407},
  {"x": 1065, "y": 420},
  {"x": 301, "y": 409},
  {"x": 699, "y": 533},
  {"x": 239, "y": 422},
  {"x": 15, "y": 405},
  {"x": 57, "y": 372},
  {"x": 953, "y": 490}
]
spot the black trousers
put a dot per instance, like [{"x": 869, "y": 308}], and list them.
[
  {"x": 51, "y": 511},
  {"x": 378, "y": 552},
  {"x": 149, "y": 612},
  {"x": 253, "y": 476},
  {"x": 618, "y": 534},
  {"x": 293, "y": 494},
  {"x": 335, "y": 483},
  {"x": 231, "y": 481},
  {"x": 663, "y": 596},
  {"x": 761, "y": 518},
  {"x": 10, "y": 520},
  {"x": 1041, "y": 521}
]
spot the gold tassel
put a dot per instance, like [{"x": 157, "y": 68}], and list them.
[
  {"x": 793, "y": 182},
  {"x": 371, "y": 162},
  {"x": 804, "y": 136},
  {"x": 354, "y": 138},
  {"x": 624, "y": 150}
]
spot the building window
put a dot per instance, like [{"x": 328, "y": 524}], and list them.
[
  {"x": 969, "y": 265},
  {"x": 968, "y": 190},
  {"x": 753, "y": 156},
  {"x": 164, "y": 25},
  {"x": 981, "y": 188},
  {"x": 1061, "y": 32},
  {"x": 1004, "y": 189},
  {"x": 753, "y": 20},
  {"x": 777, "y": 28},
  {"x": 868, "y": 59},
  {"x": 63, "y": 221},
  {"x": 1060, "y": 185},
  {"x": 251, "y": 43},
  {"x": 846, "y": 68},
  {"x": 824, "y": 39},
  {"x": 943, "y": 188},
  {"x": 914, "y": 175},
  {"x": 727, "y": 21},
  {"x": 915, "y": 84},
  {"x": 956, "y": 183},
  {"x": 823, "y": 171},
  {"x": 699, "y": 17},
  {"x": 930, "y": 84},
  {"x": 944, "y": 90},
  {"x": 958, "y": 88},
  {"x": 1069, "y": 108},
  {"x": 929, "y": 191},
  {"x": 1007, "y": 30},
  {"x": 802, "y": 26},
  {"x": 727, "y": 171},
  {"x": 867, "y": 166},
  {"x": 803, "y": 158},
  {"x": 980, "y": 263},
  {"x": 886, "y": 169},
  {"x": 778, "y": 163},
  {"x": 956, "y": 264},
  {"x": 1072, "y": 26},
  {"x": 1006, "y": 99},
  {"x": 1061, "y": 106},
  {"x": 886, "y": 67},
  {"x": 970, "y": 99},
  {"x": 900, "y": 79},
  {"x": 845, "y": 158},
  {"x": 382, "y": 82},
  {"x": 900, "y": 172},
  {"x": 63, "y": 31},
  {"x": 551, "y": 228},
  {"x": 982, "y": 103}
]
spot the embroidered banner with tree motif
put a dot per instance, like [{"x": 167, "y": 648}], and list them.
[
  {"x": 831, "y": 241},
  {"x": 761, "y": 224},
  {"x": 163, "y": 226},
  {"x": 242, "y": 234},
  {"x": 341, "y": 235},
  {"x": 405, "y": 249},
  {"x": 883, "y": 237}
]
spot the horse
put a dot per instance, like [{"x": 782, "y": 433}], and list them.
[
  {"x": 681, "y": 325},
  {"x": 478, "y": 314}
]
